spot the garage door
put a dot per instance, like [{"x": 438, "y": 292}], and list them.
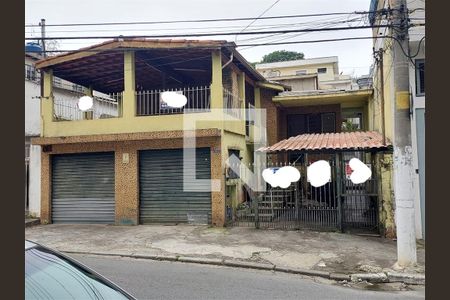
[
  {"x": 162, "y": 199},
  {"x": 83, "y": 188}
]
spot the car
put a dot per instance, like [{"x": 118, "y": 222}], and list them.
[{"x": 50, "y": 274}]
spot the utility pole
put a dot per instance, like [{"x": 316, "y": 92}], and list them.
[
  {"x": 403, "y": 168},
  {"x": 42, "y": 24}
]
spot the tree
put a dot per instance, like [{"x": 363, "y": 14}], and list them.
[{"x": 282, "y": 55}]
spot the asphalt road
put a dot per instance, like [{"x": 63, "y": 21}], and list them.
[{"x": 147, "y": 279}]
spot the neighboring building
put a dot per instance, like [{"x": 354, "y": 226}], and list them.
[
  {"x": 67, "y": 94},
  {"x": 128, "y": 168},
  {"x": 312, "y": 122},
  {"x": 417, "y": 94},
  {"x": 320, "y": 73}
]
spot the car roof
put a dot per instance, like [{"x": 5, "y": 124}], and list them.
[{"x": 29, "y": 245}]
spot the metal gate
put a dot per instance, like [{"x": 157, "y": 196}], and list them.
[
  {"x": 162, "y": 199},
  {"x": 338, "y": 205},
  {"x": 83, "y": 188}
]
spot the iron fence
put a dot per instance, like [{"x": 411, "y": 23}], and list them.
[
  {"x": 65, "y": 107},
  {"x": 149, "y": 103},
  {"x": 337, "y": 205},
  {"x": 232, "y": 104}
]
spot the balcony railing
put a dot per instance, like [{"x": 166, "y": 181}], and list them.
[
  {"x": 232, "y": 104},
  {"x": 148, "y": 103},
  {"x": 65, "y": 107}
]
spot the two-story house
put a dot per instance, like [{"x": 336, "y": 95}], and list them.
[
  {"x": 127, "y": 167},
  {"x": 324, "y": 117}
]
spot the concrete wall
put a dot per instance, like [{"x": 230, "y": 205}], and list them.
[
  {"x": 126, "y": 175},
  {"x": 300, "y": 84},
  {"x": 418, "y": 102},
  {"x": 34, "y": 186},
  {"x": 310, "y": 69}
]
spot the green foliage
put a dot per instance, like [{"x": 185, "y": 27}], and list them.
[{"x": 282, "y": 55}]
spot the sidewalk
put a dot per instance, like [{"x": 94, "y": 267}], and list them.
[{"x": 319, "y": 253}]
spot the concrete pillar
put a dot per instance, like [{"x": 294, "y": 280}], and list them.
[
  {"x": 257, "y": 97},
  {"x": 129, "y": 78},
  {"x": 403, "y": 167},
  {"x": 46, "y": 100},
  {"x": 218, "y": 198},
  {"x": 126, "y": 186},
  {"x": 34, "y": 190},
  {"x": 46, "y": 208},
  {"x": 216, "y": 80}
]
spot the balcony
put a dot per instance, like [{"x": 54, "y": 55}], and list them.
[
  {"x": 126, "y": 86},
  {"x": 148, "y": 103},
  {"x": 65, "y": 107}
]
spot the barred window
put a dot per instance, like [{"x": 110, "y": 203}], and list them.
[{"x": 420, "y": 77}]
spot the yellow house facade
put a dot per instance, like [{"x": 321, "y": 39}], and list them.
[{"x": 124, "y": 165}]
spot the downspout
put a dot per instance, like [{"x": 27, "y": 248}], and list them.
[
  {"x": 228, "y": 62},
  {"x": 383, "y": 126}
]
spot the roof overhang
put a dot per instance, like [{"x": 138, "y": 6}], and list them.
[
  {"x": 334, "y": 142},
  {"x": 345, "y": 98},
  {"x": 183, "y": 62},
  {"x": 273, "y": 86}
]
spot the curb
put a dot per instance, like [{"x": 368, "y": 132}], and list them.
[
  {"x": 416, "y": 279},
  {"x": 32, "y": 223}
]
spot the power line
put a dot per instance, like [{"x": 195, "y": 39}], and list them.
[
  {"x": 239, "y": 45},
  {"x": 203, "y": 20},
  {"x": 258, "y": 17},
  {"x": 211, "y": 33}
]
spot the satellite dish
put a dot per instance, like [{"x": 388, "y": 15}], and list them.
[
  {"x": 85, "y": 103},
  {"x": 174, "y": 99}
]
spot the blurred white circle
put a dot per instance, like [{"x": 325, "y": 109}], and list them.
[
  {"x": 289, "y": 173},
  {"x": 174, "y": 99},
  {"x": 85, "y": 103},
  {"x": 319, "y": 173},
  {"x": 268, "y": 175},
  {"x": 361, "y": 172}
]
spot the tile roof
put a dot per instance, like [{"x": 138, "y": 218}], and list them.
[{"x": 358, "y": 140}]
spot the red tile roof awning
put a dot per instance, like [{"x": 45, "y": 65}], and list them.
[{"x": 359, "y": 140}]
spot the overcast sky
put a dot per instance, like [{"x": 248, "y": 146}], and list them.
[{"x": 354, "y": 56}]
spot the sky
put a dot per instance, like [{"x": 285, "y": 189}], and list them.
[{"x": 355, "y": 56}]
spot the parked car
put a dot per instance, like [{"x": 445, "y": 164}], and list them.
[{"x": 50, "y": 274}]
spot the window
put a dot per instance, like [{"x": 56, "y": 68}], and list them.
[
  {"x": 231, "y": 174},
  {"x": 321, "y": 70},
  {"x": 273, "y": 73},
  {"x": 328, "y": 122},
  {"x": 351, "y": 121},
  {"x": 30, "y": 73},
  {"x": 300, "y": 72},
  {"x": 420, "y": 77}
]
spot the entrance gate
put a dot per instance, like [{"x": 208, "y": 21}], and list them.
[{"x": 338, "y": 205}]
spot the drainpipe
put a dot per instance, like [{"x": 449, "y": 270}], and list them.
[
  {"x": 228, "y": 62},
  {"x": 383, "y": 122}
]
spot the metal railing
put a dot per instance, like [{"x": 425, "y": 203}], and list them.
[
  {"x": 149, "y": 103},
  {"x": 65, "y": 107},
  {"x": 232, "y": 104}
]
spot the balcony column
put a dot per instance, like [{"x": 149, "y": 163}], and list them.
[
  {"x": 129, "y": 80},
  {"x": 89, "y": 115},
  {"x": 46, "y": 99},
  {"x": 241, "y": 88},
  {"x": 257, "y": 91},
  {"x": 216, "y": 80}
]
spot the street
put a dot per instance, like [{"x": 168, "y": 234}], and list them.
[{"x": 148, "y": 279}]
